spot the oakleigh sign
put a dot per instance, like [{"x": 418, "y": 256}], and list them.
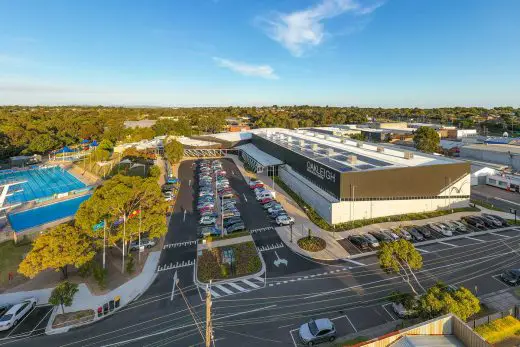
[{"x": 321, "y": 172}]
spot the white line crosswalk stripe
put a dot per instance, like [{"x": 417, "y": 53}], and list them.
[
  {"x": 249, "y": 283},
  {"x": 214, "y": 294},
  {"x": 236, "y": 286},
  {"x": 224, "y": 289},
  {"x": 259, "y": 279}
]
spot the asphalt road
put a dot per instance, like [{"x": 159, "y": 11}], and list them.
[
  {"x": 499, "y": 198},
  {"x": 350, "y": 292}
]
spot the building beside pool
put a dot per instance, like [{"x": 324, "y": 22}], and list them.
[{"x": 345, "y": 180}]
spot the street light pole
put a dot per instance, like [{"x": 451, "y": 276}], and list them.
[{"x": 291, "y": 231}]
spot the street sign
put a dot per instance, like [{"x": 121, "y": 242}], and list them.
[{"x": 279, "y": 260}]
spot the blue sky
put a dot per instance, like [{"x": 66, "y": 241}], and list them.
[{"x": 386, "y": 53}]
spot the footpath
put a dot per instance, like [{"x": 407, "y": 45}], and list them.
[{"x": 333, "y": 249}]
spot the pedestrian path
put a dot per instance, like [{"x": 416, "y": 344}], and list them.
[{"x": 236, "y": 287}]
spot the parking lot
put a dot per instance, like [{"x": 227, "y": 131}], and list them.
[{"x": 33, "y": 323}]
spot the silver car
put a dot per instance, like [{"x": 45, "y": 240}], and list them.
[{"x": 317, "y": 331}]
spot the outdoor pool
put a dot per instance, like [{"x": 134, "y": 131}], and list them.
[
  {"x": 41, "y": 183},
  {"x": 45, "y": 214}
]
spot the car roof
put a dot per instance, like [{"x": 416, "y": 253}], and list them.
[{"x": 323, "y": 323}]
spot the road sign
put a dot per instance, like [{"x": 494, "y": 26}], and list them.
[{"x": 279, "y": 260}]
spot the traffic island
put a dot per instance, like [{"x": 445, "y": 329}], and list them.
[
  {"x": 227, "y": 262},
  {"x": 312, "y": 244},
  {"x": 62, "y": 320}
]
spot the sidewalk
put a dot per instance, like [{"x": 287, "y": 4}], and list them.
[{"x": 226, "y": 242}]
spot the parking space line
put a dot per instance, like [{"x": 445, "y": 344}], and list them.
[
  {"x": 384, "y": 308},
  {"x": 447, "y": 244},
  {"x": 494, "y": 233},
  {"x": 292, "y": 337},
  {"x": 216, "y": 295},
  {"x": 499, "y": 280},
  {"x": 36, "y": 326},
  {"x": 472, "y": 238},
  {"x": 422, "y": 250},
  {"x": 353, "y": 327},
  {"x": 20, "y": 322}
]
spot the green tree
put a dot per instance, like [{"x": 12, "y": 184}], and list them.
[
  {"x": 63, "y": 294},
  {"x": 174, "y": 151},
  {"x": 401, "y": 258},
  {"x": 441, "y": 299},
  {"x": 359, "y": 137},
  {"x": 43, "y": 143},
  {"x": 426, "y": 139},
  {"x": 59, "y": 247},
  {"x": 121, "y": 196}
]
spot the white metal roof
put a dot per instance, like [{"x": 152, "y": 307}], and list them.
[{"x": 261, "y": 157}]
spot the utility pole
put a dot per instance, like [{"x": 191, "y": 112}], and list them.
[
  {"x": 104, "y": 241},
  {"x": 209, "y": 327},
  {"x": 124, "y": 237}
]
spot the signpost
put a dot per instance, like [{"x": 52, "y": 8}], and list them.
[{"x": 512, "y": 210}]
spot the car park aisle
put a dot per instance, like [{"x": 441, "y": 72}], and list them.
[{"x": 33, "y": 323}]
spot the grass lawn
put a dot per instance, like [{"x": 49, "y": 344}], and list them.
[
  {"x": 11, "y": 255},
  {"x": 499, "y": 329},
  {"x": 246, "y": 261},
  {"x": 312, "y": 243},
  {"x": 486, "y": 204}
]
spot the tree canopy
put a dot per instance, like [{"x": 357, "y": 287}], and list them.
[
  {"x": 63, "y": 294},
  {"x": 400, "y": 257},
  {"x": 441, "y": 299},
  {"x": 59, "y": 247},
  {"x": 426, "y": 139},
  {"x": 174, "y": 151}
]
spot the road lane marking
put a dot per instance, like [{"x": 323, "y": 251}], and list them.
[
  {"x": 251, "y": 284},
  {"x": 384, "y": 308},
  {"x": 422, "y": 250},
  {"x": 447, "y": 244},
  {"x": 236, "y": 286},
  {"x": 189, "y": 182},
  {"x": 353, "y": 327},
  {"x": 259, "y": 279},
  {"x": 354, "y": 262},
  {"x": 180, "y": 244},
  {"x": 472, "y": 238},
  {"x": 244, "y": 194},
  {"x": 175, "y": 281},
  {"x": 184, "y": 217},
  {"x": 501, "y": 235},
  {"x": 224, "y": 289},
  {"x": 511, "y": 202}
]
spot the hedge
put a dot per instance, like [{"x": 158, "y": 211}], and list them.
[{"x": 320, "y": 222}]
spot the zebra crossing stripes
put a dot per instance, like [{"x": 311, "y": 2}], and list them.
[
  {"x": 259, "y": 230},
  {"x": 270, "y": 247},
  {"x": 177, "y": 265},
  {"x": 236, "y": 287},
  {"x": 179, "y": 244}
]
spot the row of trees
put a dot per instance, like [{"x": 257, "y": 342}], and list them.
[{"x": 403, "y": 259}]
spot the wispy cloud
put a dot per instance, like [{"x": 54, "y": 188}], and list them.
[
  {"x": 263, "y": 71},
  {"x": 300, "y": 30}
]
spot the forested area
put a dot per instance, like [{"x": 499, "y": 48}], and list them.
[{"x": 27, "y": 130}]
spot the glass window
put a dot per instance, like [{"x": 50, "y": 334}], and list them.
[
  {"x": 492, "y": 181},
  {"x": 323, "y": 332}
]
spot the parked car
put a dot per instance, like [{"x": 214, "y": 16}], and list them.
[
  {"x": 492, "y": 221},
  {"x": 271, "y": 204},
  {"x": 416, "y": 234},
  {"x": 487, "y": 223},
  {"x": 381, "y": 237},
  {"x": 227, "y": 214},
  {"x": 511, "y": 277},
  {"x": 359, "y": 241},
  {"x": 206, "y": 193},
  {"x": 254, "y": 183},
  {"x": 232, "y": 220},
  {"x": 425, "y": 231},
  {"x": 284, "y": 220},
  {"x": 274, "y": 208},
  {"x": 207, "y": 220},
  {"x": 265, "y": 200},
  {"x": 390, "y": 234},
  {"x": 235, "y": 227},
  {"x": 146, "y": 243},
  {"x": 277, "y": 214},
  {"x": 206, "y": 231},
  {"x": 205, "y": 205},
  {"x": 16, "y": 313},
  {"x": 372, "y": 241},
  {"x": 403, "y": 233},
  {"x": 474, "y": 222},
  {"x": 458, "y": 226},
  {"x": 440, "y": 228},
  {"x": 498, "y": 218},
  {"x": 317, "y": 331},
  {"x": 210, "y": 213}
]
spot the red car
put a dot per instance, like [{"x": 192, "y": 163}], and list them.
[
  {"x": 265, "y": 200},
  {"x": 205, "y": 209}
]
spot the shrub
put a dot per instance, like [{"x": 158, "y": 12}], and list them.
[
  {"x": 130, "y": 264},
  {"x": 312, "y": 243},
  {"x": 85, "y": 270},
  {"x": 499, "y": 329},
  {"x": 100, "y": 275}
]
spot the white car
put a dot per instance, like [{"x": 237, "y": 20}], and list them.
[
  {"x": 207, "y": 220},
  {"x": 284, "y": 220},
  {"x": 401, "y": 311},
  {"x": 459, "y": 225},
  {"x": 146, "y": 243},
  {"x": 16, "y": 313},
  {"x": 440, "y": 228},
  {"x": 372, "y": 241},
  {"x": 405, "y": 234},
  {"x": 390, "y": 234}
]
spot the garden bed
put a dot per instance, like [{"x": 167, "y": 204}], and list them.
[
  {"x": 500, "y": 329},
  {"x": 245, "y": 261},
  {"x": 312, "y": 243},
  {"x": 72, "y": 318}
]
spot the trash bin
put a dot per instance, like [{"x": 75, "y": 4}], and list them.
[
  {"x": 117, "y": 301},
  {"x": 100, "y": 311}
]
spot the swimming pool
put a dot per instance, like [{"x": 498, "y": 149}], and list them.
[
  {"x": 41, "y": 183},
  {"x": 45, "y": 214}
]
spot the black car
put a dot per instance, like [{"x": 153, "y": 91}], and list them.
[
  {"x": 416, "y": 235},
  {"x": 235, "y": 227},
  {"x": 474, "y": 222},
  {"x": 487, "y": 223},
  {"x": 498, "y": 218},
  {"x": 232, "y": 220},
  {"x": 425, "y": 231},
  {"x": 381, "y": 237},
  {"x": 359, "y": 242},
  {"x": 511, "y": 277}
]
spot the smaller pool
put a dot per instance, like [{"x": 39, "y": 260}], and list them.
[{"x": 46, "y": 214}]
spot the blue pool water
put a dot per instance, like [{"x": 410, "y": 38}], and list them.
[
  {"x": 40, "y": 183},
  {"x": 41, "y": 215}
]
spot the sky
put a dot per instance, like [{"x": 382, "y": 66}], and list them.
[{"x": 369, "y": 53}]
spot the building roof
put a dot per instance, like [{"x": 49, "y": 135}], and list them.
[
  {"x": 193, "y": 142},
  {"x": 336, "y": 152},
  {"x": 495, "y": 148},
  {"x": 428, "y": 341},
  {"x": 261, "y": 157},
  {"x": 145, "y": 123}
]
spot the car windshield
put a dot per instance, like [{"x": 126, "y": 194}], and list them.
[
  {"x": 5, "y": 318},
  {"x": 313, "y": 328}
]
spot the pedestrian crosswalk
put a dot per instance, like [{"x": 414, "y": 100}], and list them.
[
  {"x": 179, "y": 244},
  {"x": 236, "y": 287},
  {"x": 259, "y": 230},
  {"x": 270, "y": 247},
  {"x": 177, "y": 265}
]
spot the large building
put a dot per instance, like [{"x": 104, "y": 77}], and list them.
[{"x": 346, "y": 180}]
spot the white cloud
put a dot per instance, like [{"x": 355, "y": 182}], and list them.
[
  {"x": 263, "y": 71},
  {"x": 300, "y": 30}
]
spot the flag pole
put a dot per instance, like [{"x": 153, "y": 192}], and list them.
[
  {"x": 104, "y": 240},
  {"x": 124, "y": 237}
]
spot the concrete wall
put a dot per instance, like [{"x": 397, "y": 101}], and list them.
[{"x": 484, "y": 155}]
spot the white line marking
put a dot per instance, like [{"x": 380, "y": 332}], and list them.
[
  {"x": 189, "y": 182},
  {"x": 354, "y": 262},
  {"x": 36, "y": 326},
  {"x": 236, "y": 286},
  {"x": 20, "y": 322},
  {"x": 353, "y": 327},
  {"x": 292, "y": 337},
  {"x": 259, "y": 279},
  {"x": 251, "y": 284},
  {"x": 472, "y": 238},
  {"x": 244, "y": 194},
  {"x": 184, "y": 217},
  {"x": 422, "y": 250},
  {"x": 384, "y": 308},
  {"x": 499, "y": 280},
  {"x": 501, "y": 235},
  {"x": 511, "y": 202},
  {"x": 447, "y": 244},
  {"x": 224, "y": 289},
  {"x": 216, "y": 295}
]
